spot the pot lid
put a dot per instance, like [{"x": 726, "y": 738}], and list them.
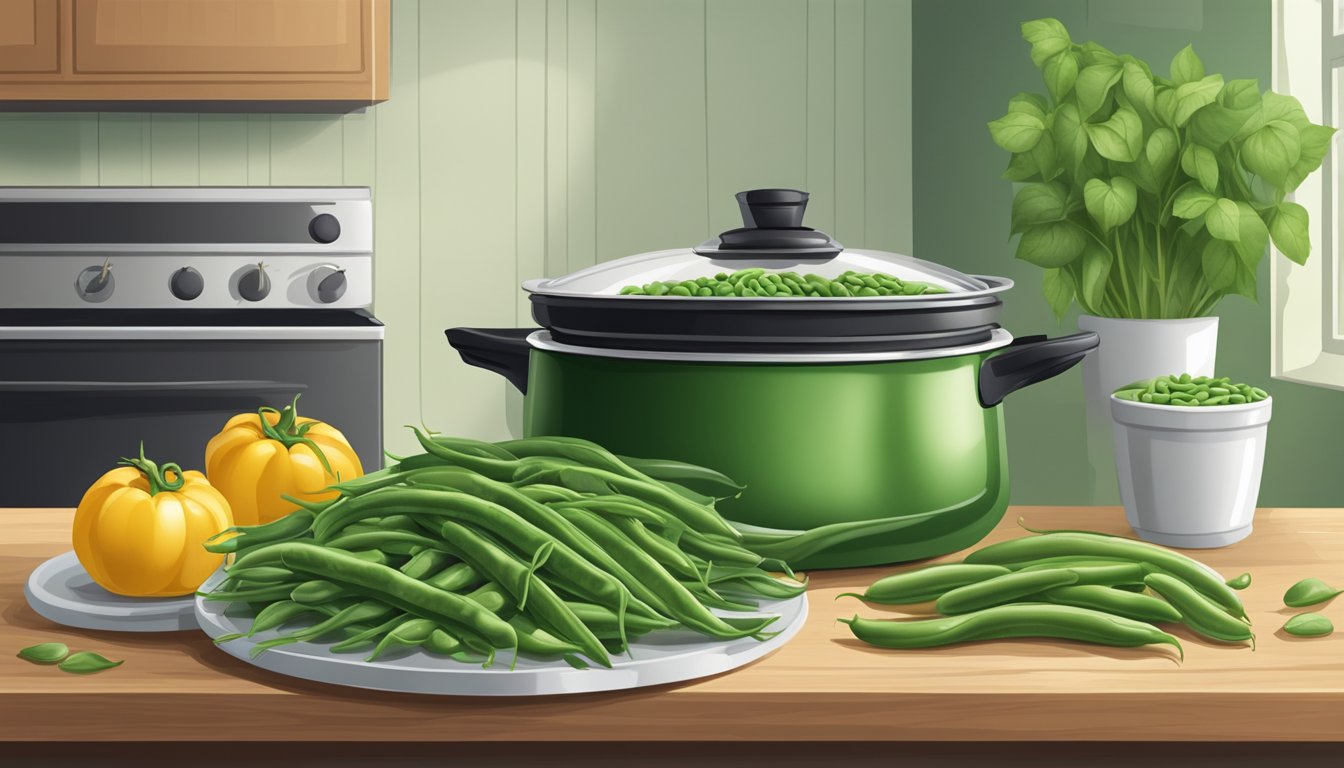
[{"x": 772, "y": 239}]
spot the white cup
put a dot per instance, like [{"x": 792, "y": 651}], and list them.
[{"x": 1190, "y": 476}]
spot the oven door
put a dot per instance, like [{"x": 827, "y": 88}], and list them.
[{"x": 74, "y": 400}]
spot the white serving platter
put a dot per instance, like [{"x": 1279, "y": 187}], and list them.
[
  {"x": 62, "y": 591},
  {"x": 655, "y": 659}
]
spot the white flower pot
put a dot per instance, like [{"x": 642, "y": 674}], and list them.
[
  {"x": 1190, "y": 477},
  {"x": 1132, "y": 350}
]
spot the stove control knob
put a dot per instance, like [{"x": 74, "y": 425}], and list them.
[
  {"x": 186, "y": 284},
  {"x": 328, "y": 283},
  {"x": 95, "y": 284},
  {"x": 324, "y": 228},
  {"x": 255, "y": 284}
]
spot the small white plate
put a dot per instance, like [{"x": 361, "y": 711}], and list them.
[
  {"x": 62, "y": 591},
  {"x": 655, "y": 659}
]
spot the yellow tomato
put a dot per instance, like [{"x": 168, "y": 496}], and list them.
[
  {"x": 259, "y": 457},
  {"x": 139, "y": 529}
]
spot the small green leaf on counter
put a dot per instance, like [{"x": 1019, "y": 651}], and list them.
[
  {"x": 87, "y": 663},
  {"x": 1308, "y": 592},
  {"x": 45, "y": 653},
  {"x": 1241, "y": 582},
  {"x": 1309, "y": 625}
]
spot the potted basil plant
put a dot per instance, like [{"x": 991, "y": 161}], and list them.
[{"x": 1148, "y": 199}]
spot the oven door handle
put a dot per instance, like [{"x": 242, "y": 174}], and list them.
[{"x": 197, "y": 388}]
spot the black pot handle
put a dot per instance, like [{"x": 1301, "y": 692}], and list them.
[
  {"x": 502, "y": 350},
  {"x": 1028, "y": 360}
]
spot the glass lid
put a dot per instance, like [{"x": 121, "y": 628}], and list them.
[{"x": 772, "y": 247}]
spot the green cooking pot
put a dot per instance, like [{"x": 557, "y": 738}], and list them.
[{"x": 848, "y": 459}]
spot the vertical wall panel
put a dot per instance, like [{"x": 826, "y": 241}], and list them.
[
  {"x": 530, "y": 205},
  {"x": 468, "y": 114},
  {"x": 174, "y": 158},
  {"x": 581, "y": 135},
  {"x": 819, "y": 96},
  {"x": 756, "y": 71},
  {"x": 887, "y": 107},
  {"x": 652, "y": 185},
  {"x": 121, "y": 138},
  {"x": 557, "y": 137},
  {"x": 258, "y": 150},
  {"x": 396, "y": 210},
  {"x": 44, "y": 149},
  {"x": 306, "y": 150},
  {"x": 850, "y": 168},
  {"x": 223, "y": 150}
]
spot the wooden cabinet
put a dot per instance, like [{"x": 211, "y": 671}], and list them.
[
  {"x": 29, "y": 36},
  {"x": 273, "y": 55}
]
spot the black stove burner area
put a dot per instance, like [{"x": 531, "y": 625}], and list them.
[{"x": 187, "y": 318}]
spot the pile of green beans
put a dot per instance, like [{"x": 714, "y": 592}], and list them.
[
  {"x": 1070, "y": 585},
  {"x": 758, "y": 282},
  {"x": 547, "y": 547},
  {"x": 1190, "y": 391}
]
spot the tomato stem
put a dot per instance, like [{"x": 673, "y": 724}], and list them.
[
  {"x": 156, "y": 475},
  {"x": 289, "y": 434}
]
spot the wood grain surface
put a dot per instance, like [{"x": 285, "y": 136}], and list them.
[{"x": 822, "y": 686}]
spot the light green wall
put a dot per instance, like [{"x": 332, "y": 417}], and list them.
[
  {"x": 536, "y": 137},
  {"x": 969, "y": 58}
]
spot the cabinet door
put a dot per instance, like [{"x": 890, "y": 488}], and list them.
[
  {"x": 29, "y": 36},
  {"x": 221, "y": 37}
]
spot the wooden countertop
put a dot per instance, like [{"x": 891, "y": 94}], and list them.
[{"x": 822, "y": 686}]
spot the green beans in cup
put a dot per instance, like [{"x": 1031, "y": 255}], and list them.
[{"x": 1189, "y": 391}]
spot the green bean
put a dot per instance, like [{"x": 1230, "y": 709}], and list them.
[
  {"x": 1016, "y": 620},
  {"x": 762, "y": 584},
  {"x": 1094, "y": 545},
  {"x": 1104, "y": 575},
  {"x": 455, "y": 578},
  {"x": 1309, "y": 625},
  {"x": 698, "y": 478},
  {"x": 682, "y": 605},
  {"x": 277, "y": 614},
  {"x": 1240, "y": 582},
  {"x": 290, "y": 526},
  {"x": 1131, "y": 605},
  {"x": 398, "y": 590},
  {"x": 1002, "y": 589},
  {"x": 717, "y": 552},
  {"x": 543, "y": 604},
  {"x": 357, "y": 613},
  {"x": 264, "y": 574},
  {"x": 367, "y": 636},
  {"x": 1309, "y": 592},
  {"x": 924, "y": 584},
  {"x": 317, "y": 592},
  {"x": 411, "y": 633},
  {"x": 1198, "y": 612},
  {"x": 543, "y": 494},
  {"x": 604, "y": 622},
  {"x": 426, "y": 563},
  {"x": 256, "y": 595},
  {"x": 660, "y": 549},
  {"x": 394, "y": 541},
  {"x": 535, "y": 641},
  {"x": 1197, "y": 391}
]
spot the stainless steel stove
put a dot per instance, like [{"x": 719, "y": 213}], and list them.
[{"x": 154, "y": 314}]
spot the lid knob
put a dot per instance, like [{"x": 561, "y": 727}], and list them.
[{"x": 772, "y": 208}]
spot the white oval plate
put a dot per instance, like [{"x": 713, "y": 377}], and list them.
[
  {"x": 62, "y": 591},
  {"x": 655, "y": 659}
]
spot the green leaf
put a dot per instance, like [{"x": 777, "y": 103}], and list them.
[
  {"x": 1096, "y": 271},
  {"x": 1061, "y": 72},
  {"x": 1240, "y": 94},
  {"x": 1070, "y": 139},
  {"x": 45, "y": 653},
  {"x": 1022, "y": 167},
  {"x": 87, "y": 663},
  {"x": 1252, "y": 235},
  {"x": 1047, "y": 37},
  {"x": 1308, "y": 625},
  {"x": 1045, "y": 157},
  {"x": 1030, "y": 104},
  {"x": 1119, "y": 138},
  {"x": 1309, "y": 592},
  {"x": 1051, "y": 245},
  {"x": 1058, "y": 289},
  {"x": 1160, "y": 151},
  {"x": 1194, "y": 96},
  {"x": 1186, "y": 67},
  {"x": 1219, "y": 261},
  {"x": 1039, "y": 204},
  {"x": 1223, "y": 220},
  {"x": 1315, "y": 140},
  {"x": 1110, "y": 204},
  {"x": 1245, "y": 284},
  {"x": 1272, "y": 151},
  {"x": 1165, "y": 106},
  {"x": 1191, "y": 202},
  {"x": 1201, "y": 164},
  {"x": 1138, "y": 86},
  {"x": 1096, "y": 53},
  {"x": 1288, "y": 227},
  {"x": 1278, "y": 106},
  {"x": 1017, "y": 131},
  {"x": 1093, "y": 85}
]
